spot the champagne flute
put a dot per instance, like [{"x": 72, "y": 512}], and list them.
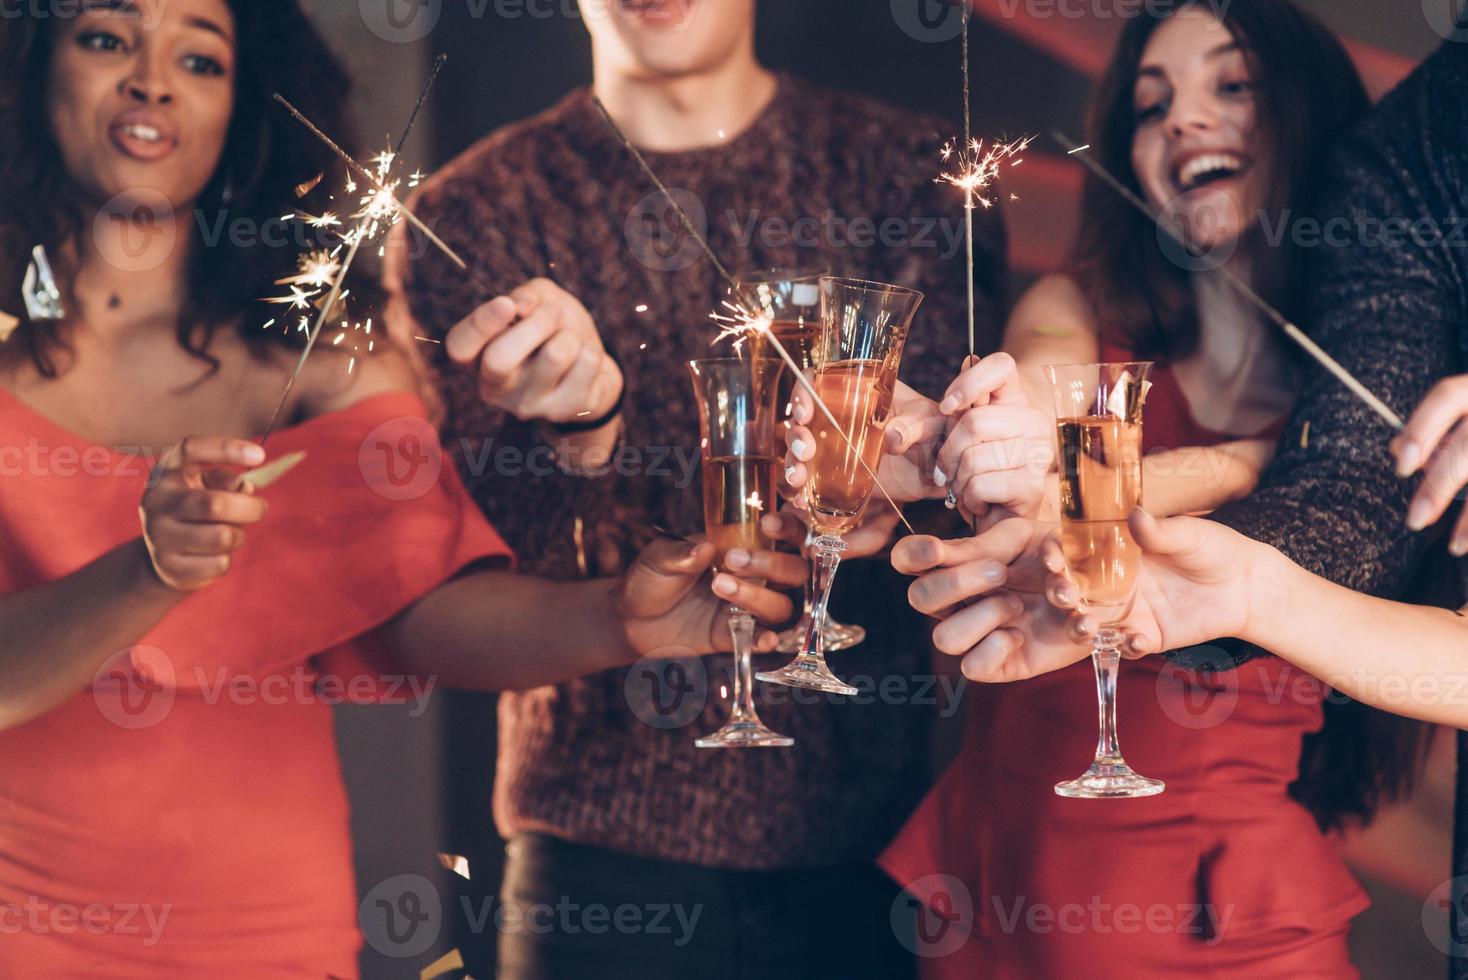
[
  {"x": 791, "y": 298},
  {"x": 736, "y": 415},
  {"x": 863, "y": 328},
  {"x": 1098, "y": 411}
]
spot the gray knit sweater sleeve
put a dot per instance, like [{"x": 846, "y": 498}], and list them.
[{"x": 1390, "y": 306}]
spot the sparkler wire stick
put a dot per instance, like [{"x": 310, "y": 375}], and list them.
[
  {"x": 358, "y": 236},
  {"x": 968, "y": 199},
  {"x": 767, "y": 334},
  {"x": 1279, "y": 319},
  {"x": 373, "y": 179}
]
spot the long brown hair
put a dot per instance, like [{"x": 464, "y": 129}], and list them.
[
  {"x": 266, "y": 156},
  {"x": 1308, "y": 95}
]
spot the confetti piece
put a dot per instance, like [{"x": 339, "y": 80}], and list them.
[
  {"x": 450, "y": 961},
  {"x": 307, "y": 186},
  {"x": 8, "y": 324},
  {"x": 1305, "y": 435},
  {"x": 456, "y": 863},
  {"x": 1052, "y": 330},
  {"x": 264, "y": 476}
]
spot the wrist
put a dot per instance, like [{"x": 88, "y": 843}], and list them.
[
  {"x": 1268, "y": 583},
  {"x": 143, "y": 580}
]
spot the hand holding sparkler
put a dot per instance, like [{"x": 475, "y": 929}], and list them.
[
  {"x": 998, "y": 448},
  {"x": 539, "y": 356},
  {"x": 192, "y": 520}
]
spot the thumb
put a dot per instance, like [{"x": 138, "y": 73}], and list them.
[
  {"x": 662, "y": 575},
  {"x": 1170, "y": 536},
  {"x": 904, "y": 432}
]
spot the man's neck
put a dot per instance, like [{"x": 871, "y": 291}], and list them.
[{"x": 687, "y": 113}]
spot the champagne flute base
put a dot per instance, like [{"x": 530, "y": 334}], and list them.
[
  {"x": 744, "y": 735},
  {"x": 1109, "y": 781},
  {"x": 810, "y": 673},
  {"x": 835, "y": 637}
]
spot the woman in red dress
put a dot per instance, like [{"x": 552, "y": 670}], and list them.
[
  {"x": 1222, "y": 123},
  {"x": 170, "y": 798}
]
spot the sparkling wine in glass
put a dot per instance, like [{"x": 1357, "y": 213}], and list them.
[
  {"x": 791, "y": 298},
  {"x": 1098, "y": 411},
  {"x": 863, "y": 328},
  {"x": 736, "y": 409}
]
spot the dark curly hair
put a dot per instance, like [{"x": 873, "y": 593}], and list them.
[{"x": 266, "y": 156}]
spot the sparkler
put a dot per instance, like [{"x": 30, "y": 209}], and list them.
[
  {"x": 975, "y": 167},
  {"x": 1244, "y": 289},
  {"x": 741, "y": 322},
  {"x": 380, "y": 209}
]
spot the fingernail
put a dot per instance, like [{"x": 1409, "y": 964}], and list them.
[
  {"x": 254, "y": 455},
  {"x": 1459, "y": 547},
  {"x": 798, "y": 447},
  {"x": 949, "y": 405},
  {"x": 770, "y": 523},
  {"x": 790, "y": 473},
  {"x": 993, "y": 572},
  {"x": 724, "y": 585},
  {"x": 1408, "y": 460},
  {"x": 1417, "y": 516},
  {"x": 737, "y": 558},
  {"x": 940, "y": 478}
]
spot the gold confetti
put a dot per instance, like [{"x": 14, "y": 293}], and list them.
[
  {"x": 448, "y": 962},
  {"x": 307, "y": 186},
  {"x": 1305, "y": 435},
  {"x": 264, "y": 476}
]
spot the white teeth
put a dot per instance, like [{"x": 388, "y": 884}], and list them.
[
  {"x": 1207, "y": 163},
  {"x": 147, "y": 133}
]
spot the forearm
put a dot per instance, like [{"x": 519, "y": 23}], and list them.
[
  {"x": 1409, "y": 660},
  {"x": 584, "y": 452},
  {"x": 59, "y": 634},
  {"x": 1194, "y": 480},
  {"x": 492, "y": 631}
]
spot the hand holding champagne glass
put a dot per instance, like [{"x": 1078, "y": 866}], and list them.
[
  {"x": 792, "y": 300},
  {"x": 1098, "y": 411},
  {"x": 864, "y": 326},
  {"x": 736, "y": 402}
]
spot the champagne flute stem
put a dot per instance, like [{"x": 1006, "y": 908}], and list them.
[
  {"x": 1106, "y": 656},
  {"x": 741, "y": 628},
  {"x": 810, "y": 582},
  {"x": 823, "y": 575}
]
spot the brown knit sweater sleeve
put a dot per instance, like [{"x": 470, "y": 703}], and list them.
[{"x": 479, "y": 208}]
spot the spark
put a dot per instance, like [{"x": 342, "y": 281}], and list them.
[
  {"x": 977, "y": 164},
  {"x": 754, "y": 502},
  {"x": 640, "y": 308},
  {"x": 428, "y": 340},
  {"x": 1077, "y": 150},
  {"x": 327, "y": 220}
]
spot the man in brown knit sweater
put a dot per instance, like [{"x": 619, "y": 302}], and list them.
[{"x": 571, "y": 415}]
